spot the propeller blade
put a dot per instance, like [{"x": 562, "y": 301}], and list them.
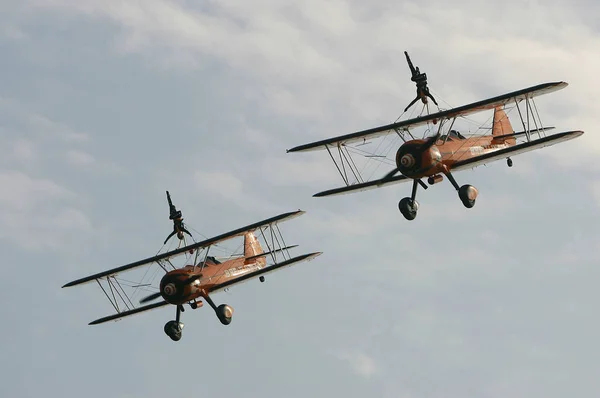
[
  {"x": 151, "y": 297},
  {"x": 192, "y": 278},
  {"x": 429, "y": 143}
]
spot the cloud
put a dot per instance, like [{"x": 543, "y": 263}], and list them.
[
  {"x": 33, "y": 141},
  {"x": 49, "y": 129},
  {"x": 39, "y": 214},
  {"x": 353, "y": 55},
  {"x": 222, "y": 184},
  {"x": 23, "y": 192},
  {"x": 595, "y": 186},
  {"x": 481, "y": 300},
  {"x": 361, "y": 364},
  {"x": 80, "y": 158}
]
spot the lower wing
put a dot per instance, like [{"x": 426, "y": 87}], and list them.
[
  {"x": 129, "y": 313},
  {"x": 363, "y": 186}
]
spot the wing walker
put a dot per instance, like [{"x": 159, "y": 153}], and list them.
[{"x": 177, "y": 218}]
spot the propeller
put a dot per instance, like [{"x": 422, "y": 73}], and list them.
[
  {"x": 420, "y": 148},
  {"x": 151, "y": 297},
  {"x": 156, "y": 295}
]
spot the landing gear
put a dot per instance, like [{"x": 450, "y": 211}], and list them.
[
  {"x": 467, "y": 193},
  {"x": 223, "y": 312},
  {"x": 509, "y": 162},
  {"x": 261, "y": 278},
  {"x": 174, "y": 328},
  {"x": 409, "y": 206}
]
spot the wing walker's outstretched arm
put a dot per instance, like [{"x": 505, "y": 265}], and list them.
[
  {"x": 410, "y": 65},
  {"x": 176, "y": 216},
  {"x": 421, "y": 80}
]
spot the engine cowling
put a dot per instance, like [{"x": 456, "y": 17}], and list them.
[
  {"x": 172, "y": 289},
  {"x": 176, "y": 286},
  {"x": 415, "y": 157}
]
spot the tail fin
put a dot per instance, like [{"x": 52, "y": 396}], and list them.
[
  {"x": 502, "y": 127},
  {"x": 252, "y": 248}
]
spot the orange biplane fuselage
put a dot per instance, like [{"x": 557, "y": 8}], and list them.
[
  {"x": 187, "y": 284},
  {"x": 436, "y": 155}
]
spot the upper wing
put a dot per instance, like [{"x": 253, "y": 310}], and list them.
[
  {"x": 515, "y": 150},
  {"x": 266, "y": 270},
  {"x": 464, "y": 110},
  {"x": 182, "y": 250}
]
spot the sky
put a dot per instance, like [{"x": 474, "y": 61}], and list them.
[{"x": 104, "y": 105}]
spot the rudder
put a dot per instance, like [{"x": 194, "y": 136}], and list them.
[
  {"x": 502, "y": 127},
  {"x": 252, "y": 247}
]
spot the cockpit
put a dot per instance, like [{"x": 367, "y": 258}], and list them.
[
  {"x": 453, "y": 135},
  {"x": 212, "y": 259}
]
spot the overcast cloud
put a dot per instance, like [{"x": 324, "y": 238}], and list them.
[{"x": 104, "y": 105}]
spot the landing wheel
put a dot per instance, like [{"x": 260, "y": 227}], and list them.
[
  {"x": 224, "y": 313},
  {"x": 173, "y": 329},
  {"x": 509, "y": 162},
  {"x": 408, "y": 208},
  {"x": 261, "y": 278},
  {"x": 468, "y": 195}
]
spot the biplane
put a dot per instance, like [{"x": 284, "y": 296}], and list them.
[
  {"x": 203, "y": 275},
  {"x": 445, "y": 149}
]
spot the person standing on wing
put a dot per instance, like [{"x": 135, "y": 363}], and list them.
[
  {"x": 421, "y": 80},
  {"x": 176, "y": 216}
]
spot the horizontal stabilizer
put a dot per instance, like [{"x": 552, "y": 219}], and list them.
[
  {"x": 270, "y": 252},
  {"x": 520, "y": 133}
]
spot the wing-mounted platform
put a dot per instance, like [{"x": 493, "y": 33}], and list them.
[{"x": 358, "y": 159}]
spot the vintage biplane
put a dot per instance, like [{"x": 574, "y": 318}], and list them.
[
  {"x": 202, "y": 275},
  {"x": 445, "y": 149}
]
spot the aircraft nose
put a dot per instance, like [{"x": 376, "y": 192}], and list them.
[
  {"x": 170, "y": 289},
  {"x": 408, "y": 158}
]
